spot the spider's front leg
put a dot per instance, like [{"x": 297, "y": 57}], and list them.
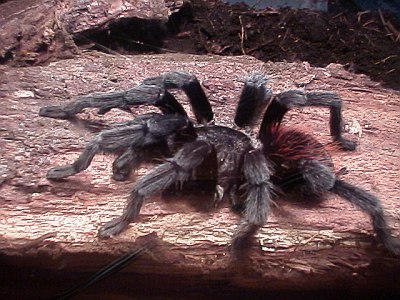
[
  {"x": 153, "y": 91},
  {"x": 141, "y": 94},
  {"x": 147, "y": 130},
  {"x": 192, "y": 88},
  {"x": 174, "y": 171},
  {"x": 253, "y": 99},
  {"x": 283, "y": 102},
  {"x": 257, "y": 174}
]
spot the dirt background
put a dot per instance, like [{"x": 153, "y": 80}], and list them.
[
  {"x": 358, "y": 40},
  {"x": 364, "y": 42}
]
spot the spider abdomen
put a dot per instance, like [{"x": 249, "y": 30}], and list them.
[{"x": 288, "y": 149}]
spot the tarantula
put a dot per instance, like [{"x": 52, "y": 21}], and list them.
[{"x": 249, "y": 172}]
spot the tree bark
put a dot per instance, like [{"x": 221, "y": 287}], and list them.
[
  {"x": 49, "y": 229},
  {"x": 38, "y": 31}
]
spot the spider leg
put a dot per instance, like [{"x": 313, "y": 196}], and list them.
[
  {"x": 149, "y": 131},
  {"x": 253, "y": 100},
  {"x": 175, "y": 170},
  {"x": 260, "y": 192},
  {"x": 141, "y": 95},
  {"x": 318, "y": 179},
  {"x": 129, "y": 160},
  {"x": 125, "y": 163},
  {"x": 283, "y": 102},
  {"x": 372, "y": 206},
  {"x": 192, "y": 88}
]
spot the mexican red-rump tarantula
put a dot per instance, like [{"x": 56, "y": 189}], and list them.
[{"x": 249, "y": 172}]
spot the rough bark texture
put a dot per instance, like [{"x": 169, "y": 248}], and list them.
[
  {"x": 36, "y": 31},
  {"x": 301, "y": 249}
]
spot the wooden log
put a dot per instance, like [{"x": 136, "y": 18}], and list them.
[
  {"x": 36, "y": 31},
  {"x": 49, "y": 229}
]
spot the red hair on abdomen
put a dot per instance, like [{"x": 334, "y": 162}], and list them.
[{"x": 287, "y": 145}]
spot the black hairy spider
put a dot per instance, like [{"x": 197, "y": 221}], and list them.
[{"x": 249, "y": 172}]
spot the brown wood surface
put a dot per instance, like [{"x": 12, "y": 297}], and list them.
[
  {"x": 37, "y": 31},
  {"x": 48, "y": 229}
]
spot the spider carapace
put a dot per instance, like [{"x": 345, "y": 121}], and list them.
[{"x": 248, "y": 171}]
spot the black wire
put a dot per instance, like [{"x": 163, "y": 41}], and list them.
[{"x": 111, "y": 268}]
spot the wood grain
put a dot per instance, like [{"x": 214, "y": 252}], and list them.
[{"x": 324, "y": 248}]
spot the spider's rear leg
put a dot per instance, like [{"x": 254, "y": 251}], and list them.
[
  {"x": 175, "y": 171},
  {"x": 151, "y": 129},
  {"x": 192, "y": 88},
  {"x": 283, "y": 102},
  {"x": 317, "y": 179},
  {"x": 311, "y": 180},
  {"x": 373, "y": 207},
  {"x": 260, "y": 192}
]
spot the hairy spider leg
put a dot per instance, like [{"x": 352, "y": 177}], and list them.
[
  {"x": 126, "y": 162},
  {"x": 319, "y": 179},
  {"x": 175, "y": 171},
  {"x": 283, "y": 102},
  {"x": 146, "y": 130},
  {"x": 372, "y": 206},
  {"x": 306, "y": 180},
  {"x": 192, "y": 88},
  {"x": 303, "y": 166},
  {"x": 253, "y": 100},
  {"x": 312, "y": 176},
  {"x": 143, "y": 94},
  {"x": 257, "y": 172},
  {"x": 151, "y": 92}
]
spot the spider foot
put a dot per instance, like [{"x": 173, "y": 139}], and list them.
[
  {"x": 243, "y": 240},
  {"x": 241, "y": 247},
  {"x": 120, "y": 176},
  {"x": 347, "y": 144},
  {"x": 123, "y": 166},
  {"x": 55, "y": 112},
  {"x": 112, "y": 228},
  {"x": 60, "y": 172},
  {"x": 392, "y": 245}
]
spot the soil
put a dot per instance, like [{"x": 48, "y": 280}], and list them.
[
  {"x": 364, "y": 42},
  {"x": 358, "y": 40}
]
